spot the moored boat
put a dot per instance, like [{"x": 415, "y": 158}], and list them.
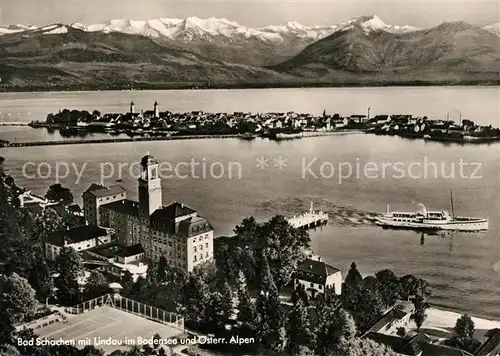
[
  {"x": 431, "y": 220},
  {"x": 247, "y": 136}
]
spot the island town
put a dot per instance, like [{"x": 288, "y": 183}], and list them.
[
  {"x": 154, "y": 124},
  {"x": 117, "y": 268}
]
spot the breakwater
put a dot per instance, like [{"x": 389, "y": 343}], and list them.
[{"x": 115, "y": 140}]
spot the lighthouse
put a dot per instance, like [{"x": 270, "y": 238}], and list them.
[
  {"x": 156, "y": 110},
  {"x": 132, "y": 108}
]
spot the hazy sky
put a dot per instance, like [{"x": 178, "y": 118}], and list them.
[{"x": 253, "y": 13}]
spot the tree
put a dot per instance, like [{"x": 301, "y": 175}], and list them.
[
  {"x": 299, "y": 331},
  {"x": 44, "y": 223},
  {"x": 17, "y": 299},
  {"x": 246, "y": 308},
  {"x": 96, "y": 285},
  {"x": 195, "y": 297},
  {"x": 358, "y": 347},
  {"x": 40, "y": 278},
  {"x": 227, "y": 300},
  {"x": 464, "y": 327},
  {"x": 275, "y": 240},
  {"x": 368, "y": 310},
  {"x": 337, "y": 327},
  {"x": 9, "y": 350},
  {"x": 147, "y": 350},
  {"x": 58, "y": 193},
  {"x": 353, "y": 278},
  {"x": 271, "y": 320},
  {"x": 69, "y": 266},
  {"x": 156, "y": 340},
  {"x": 162, "y": 268},
  {"x": 152, "y": 276},
  {"x": 266, "y": 280},
  {"x": 214, "y": 312},
  {"x": 419, "y": 314},
  {"x": 304, "y": 351},
  {"x": 127, "y": 280},
  {"x": 91, "y": 350},
  {"x": 284, "y": 247},
  {"x": 413, "y": 287},
  {"x": 299, "y": 293},
  {"x": 164, "y": 351},
  {"x": 401, "y": 332},
  {"x": 389, "y": 287}
]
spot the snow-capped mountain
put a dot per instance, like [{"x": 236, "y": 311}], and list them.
[
  {"x": 15, "y": 28},
  {"x": 374, "y": 23},
  {"x": 493, "y": 28},
  {"x": 213, "y": 29}
]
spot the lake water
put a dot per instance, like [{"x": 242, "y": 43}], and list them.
[{"x": 464, "y": 269}]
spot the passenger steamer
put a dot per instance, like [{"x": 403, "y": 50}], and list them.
[{"x": 431, "y": 220}]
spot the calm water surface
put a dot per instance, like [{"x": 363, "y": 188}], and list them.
[{"x": 464, "y": 269}]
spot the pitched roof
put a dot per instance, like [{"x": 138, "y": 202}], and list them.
[
  {"x": 77, "y": 234},
  {"x": 109, "y": 250},
  {"x": 398, "y": 312},
  {"x": 315, "y": 271},
  {"x": 99, "y": 191},
  {"x": 412, "y": 346},
  {"x": 129, "y": 251},
  {"x": 171, "y": 212},
  {"x": 192, "y": 226},
  {"x": 125, "y": 207},
  {"x": 492, "y": 345},
  {"x": 93, "y": 187},
  {"x": 75, "y": 208}
]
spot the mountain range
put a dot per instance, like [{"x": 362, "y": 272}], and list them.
[{"x": 218, "y": 52}]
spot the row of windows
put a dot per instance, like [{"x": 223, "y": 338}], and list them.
[
  {"x": 201, "y": 238},
  {"x": 200, "y": 247},
  {"x": 320, "y": 286},
  {"x": 195, "y": 258}
]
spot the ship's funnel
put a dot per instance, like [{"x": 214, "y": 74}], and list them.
[{"x": 422, "y": 207}]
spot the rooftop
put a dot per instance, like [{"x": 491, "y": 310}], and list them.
[
  {"x": 315, "y": 271},
  {"x": 171, "y": 212},
  {"x": 75, "y": 235},
  {"x": 100, "y": 191},
  {"x": 415, "y": 345},
  {"x": 128, "y": 251},
  {"x": 399, "y": 311},
  {"x": 125, "y": 206},
  {"x": 492, "y": 345},
  {"x": 109, "y": 250}
]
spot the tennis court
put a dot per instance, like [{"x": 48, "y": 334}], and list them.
[{"x": 106, "y": 322}]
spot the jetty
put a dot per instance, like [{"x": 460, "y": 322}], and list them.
[
  {"x": 14, "y": 123},
  {"x": 112, "y": 140},
  {"x": 309, "y": 219}
]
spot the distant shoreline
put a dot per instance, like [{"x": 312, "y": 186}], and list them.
[{"x": 204, "y": 86}]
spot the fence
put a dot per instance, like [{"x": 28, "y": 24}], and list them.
[
  {"x": 55, "y": 317},
  {"x": 130, "y": 306}
]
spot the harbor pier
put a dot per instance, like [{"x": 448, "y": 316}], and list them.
[{"x": 310, "y": 219}]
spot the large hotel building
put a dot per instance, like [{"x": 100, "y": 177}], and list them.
[{"x": 174, "y": 231}]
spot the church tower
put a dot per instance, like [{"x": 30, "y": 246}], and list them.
[
  {"x": 150, "y": 195},
  {"x": 157, "y": 110},
  {"x": 132, "y": 107}
]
